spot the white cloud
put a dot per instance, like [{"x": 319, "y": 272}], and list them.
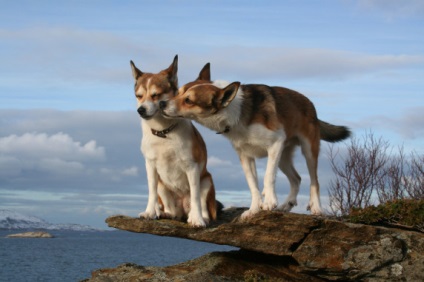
[
  {"x": 294, "y": 63},
  {"x": 214, "y": 161},
  {"x": 43, "y": 146},
  {"x": 116, "y": 174},
  {"x": 131, "y": 171},
  {"x": 57, "y": 55},
  {"x": 57, "y": 154},
  {"x": 408, "y": 125}
]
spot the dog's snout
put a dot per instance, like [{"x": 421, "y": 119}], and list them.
[
  {"x": 141, "y": 111},
  {"x": 162, "y": 105}
]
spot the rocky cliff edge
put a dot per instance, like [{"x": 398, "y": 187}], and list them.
[{"x": 276, "y": 246}]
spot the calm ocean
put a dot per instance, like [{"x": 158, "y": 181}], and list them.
[{"x": 72, "y": 255}]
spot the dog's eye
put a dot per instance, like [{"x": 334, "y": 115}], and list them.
[
  {"x": 139, "y": 96},
  {"x": 188, "y": 101},
  {"x": 155, "y": 95}
]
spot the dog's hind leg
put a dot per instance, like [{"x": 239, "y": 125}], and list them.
[
  {"x": 286, "y": 166},
  {"x": 310, "y": 149},
  {"x": 249, "y": 168}
]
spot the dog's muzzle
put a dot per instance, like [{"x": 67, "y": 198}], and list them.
[{"x": 142, "y": 111}]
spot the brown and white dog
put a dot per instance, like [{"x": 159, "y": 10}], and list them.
[
  {"x": 179, "y": 184},
  {"x": 260, "y": 121}
]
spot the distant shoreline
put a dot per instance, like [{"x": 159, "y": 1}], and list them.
[{"x": 31, "y": 234}]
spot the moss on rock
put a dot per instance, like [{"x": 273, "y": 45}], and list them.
[{"x": 406, "y": 213}]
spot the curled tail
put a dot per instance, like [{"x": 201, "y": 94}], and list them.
[{"x": 333, "y": 133}]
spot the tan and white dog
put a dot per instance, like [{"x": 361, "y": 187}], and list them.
[
  {"x": 179, "y": 184},
  {"x": 260, "y": 121}
]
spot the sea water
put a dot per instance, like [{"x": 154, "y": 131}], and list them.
[{"x": 73, "y": 255}]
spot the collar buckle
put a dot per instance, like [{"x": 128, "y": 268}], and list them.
[{"x": 162, "y": 133}]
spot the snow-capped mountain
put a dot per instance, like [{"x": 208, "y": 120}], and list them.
[{"x": 14, "y": 220}]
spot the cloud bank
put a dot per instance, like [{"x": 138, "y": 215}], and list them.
[
  {"x": 72, "y": 54},
  {"x": 89, "y": 163}
]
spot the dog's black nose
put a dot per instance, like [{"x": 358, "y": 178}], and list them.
[
  {"x": 162, "y": 105},
  {"x": 141, "y": 111}
]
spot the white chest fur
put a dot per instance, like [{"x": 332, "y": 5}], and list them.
[{"x": 170, "y": 156}]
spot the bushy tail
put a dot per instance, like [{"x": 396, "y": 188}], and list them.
[{"x": 333, "y": 133}]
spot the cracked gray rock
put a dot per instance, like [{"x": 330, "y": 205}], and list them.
[{"x": 301, "y": 246}]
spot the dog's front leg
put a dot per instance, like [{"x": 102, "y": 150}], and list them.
[
  {"x": 249, "y": 168},
  {"x": 152, "y": 209},
  {"x": 274, "y": 155},
  {"x": 195, "y": 215}
]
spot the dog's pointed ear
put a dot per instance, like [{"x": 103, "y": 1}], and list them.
[
  {"x": 172, "y": 71},
  {"x": 135, "y": 71},
  {"x": 227, "y": 94},
  {"x": 174, "y": 66},
  {"x": 205, "y": 73}
]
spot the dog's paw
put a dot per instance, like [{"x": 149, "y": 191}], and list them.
[
  {"x": 148, "y": 215},
  {"x": 314, "y": 208},
  {"x": 196, "y": 221},
  {"x": 269, "y": 203},
  {"x": 287, "y": 206},
  {"x": 249, "y": 214}
]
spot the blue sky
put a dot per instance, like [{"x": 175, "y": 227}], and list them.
[{"x": 69, "y": 132}]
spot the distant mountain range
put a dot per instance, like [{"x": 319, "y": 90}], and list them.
[{"x": 14, "y": 220}]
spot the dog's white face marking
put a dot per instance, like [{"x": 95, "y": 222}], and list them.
[{"x": 149, "y": 92}]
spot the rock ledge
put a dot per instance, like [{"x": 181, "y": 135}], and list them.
[{"x": 278, "y": 246}]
